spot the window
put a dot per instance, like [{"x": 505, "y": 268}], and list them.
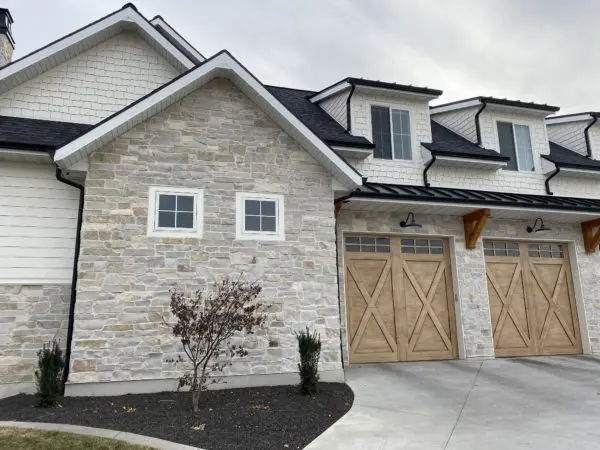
[
  {"x": 174, "y": 212},
  {"x": 259, "y": 216},
  {"x": 391, "y": 133},
  {"x": 515, "y": 142},
  {"x": 367, "y": 244},
  {"x": 500, "y": 248},
  {"x": 546, "y": 251},
  {"x": 422, "y": 246}
]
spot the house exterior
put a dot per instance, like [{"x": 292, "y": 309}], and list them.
[{"x": 131, "y": 164}]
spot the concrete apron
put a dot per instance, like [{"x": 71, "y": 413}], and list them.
[
  {"x": 101, "y": 433},
  {"x": 535, "y": 403}
]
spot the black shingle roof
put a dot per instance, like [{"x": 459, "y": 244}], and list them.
[
  {"x": 35, "y": 134},
  {"x": 472, "y": 197},
  {"x": 563, "y": 157},
  {"x": 317, "y": 120},
  {"x": 448, "y": 143}
]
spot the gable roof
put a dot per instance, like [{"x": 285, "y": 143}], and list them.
[
  {"x": 34, "y": 134},
  {"x": 446, "y": 142},
  {"x": 65, "y": 48},
  {"x": 223, "y": 64},
  {"x": 563, "y": 157},
  {"x": 316, "y": 119}
]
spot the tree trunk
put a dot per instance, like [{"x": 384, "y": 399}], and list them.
[{"x": 196, "y": 398}]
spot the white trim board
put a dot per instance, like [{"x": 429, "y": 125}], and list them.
[
  {"x": 220, "y": 65},
  {"x": 158, "y": 21},
  {"x": 69, "y": 46}
]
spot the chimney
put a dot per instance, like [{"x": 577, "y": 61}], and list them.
[{"x": 7, "y": 43}]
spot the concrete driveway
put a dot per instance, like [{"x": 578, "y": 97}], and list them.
[{"x": 524, "y": 403}]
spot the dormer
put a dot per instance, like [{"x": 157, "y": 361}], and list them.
[
  {"x": 395, "y": 117},
  {"x": 512, "y": 128}
]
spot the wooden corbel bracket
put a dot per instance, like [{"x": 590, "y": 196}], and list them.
[
  {"x": 474, "y": 225},
  {"x": 591, "y": 235}
]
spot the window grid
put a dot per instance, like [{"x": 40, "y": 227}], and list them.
[
  {"x": 367, "y": 244},
  {"x": 260, "y": 216},
  {"x": 391, "y": 133},
  {"x": 176, "y": 211},
  {"x": 422, "y": 246},
  {"x": 501, "y": 248},
  {"x": 400, "y": 134},
  {"x": 546, "y": 251}
]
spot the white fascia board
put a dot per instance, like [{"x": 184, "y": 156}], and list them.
[
  {"x": 221, "y": 65},
  {"x": 474, "y": 206},
  {"x": 570, "y": 172},
  {"x": 454, "y": 106},
  {"x": 395, "y": 92},
  {"x": 472, "y": 162},
  {"x": 159, "y": 21},
  {"x": 127, "y": 15},
  {"x": 567, "y": 119},
  {"x": 331, "y": 91}
]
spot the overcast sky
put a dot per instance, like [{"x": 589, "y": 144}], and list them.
[{"x": 534, "y": 50}]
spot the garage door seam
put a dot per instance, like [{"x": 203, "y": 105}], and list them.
[{"x": 463, "y": 405}]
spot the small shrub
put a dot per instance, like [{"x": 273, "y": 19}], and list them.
[
  {"x": 48, "y": 375},
  {"x": 309, "y": 346},
  {"x": 206, "y": 322}
]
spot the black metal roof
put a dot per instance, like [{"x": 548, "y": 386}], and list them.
[
  {"x": 505, "y": 102},
  {"x": 34, "y": 134},
  {"x": 393, "y": 86},
  {"x": 563, "y": 157},
  {"x": 448, "y": 143},
  {"x": 317, "y": 120},
  {"x": 472, "y": 197}
]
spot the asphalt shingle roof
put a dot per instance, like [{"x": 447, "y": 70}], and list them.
[
  {"x": 566, "y": 158},
  {"x": 35, "y": 134},
  {"x": 448, "y": 143},
  {"x": 317, "y": 120}
]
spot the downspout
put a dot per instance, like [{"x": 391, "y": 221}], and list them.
[
  {"x": 477, "y": 125},
  {"x": 337, "y": 273},
  {"x": 586, "y": 133},
  {"x": 71, "y": 322},
  {"x": 427, "y": 167},
  {"x": 552, "y": 175},
  {"x": 348, "y": 113}
]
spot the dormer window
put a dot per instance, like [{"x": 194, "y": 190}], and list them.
[
  {"x": 391, "y": 133},
  {"x": 515, "y": 142}
]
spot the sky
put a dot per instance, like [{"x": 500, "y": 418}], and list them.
[{"x": 533, "y": 50}]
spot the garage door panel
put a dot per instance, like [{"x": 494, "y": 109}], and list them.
[
  {"x": 537, "y": 315},
  {"x": 408, "y": 315}
]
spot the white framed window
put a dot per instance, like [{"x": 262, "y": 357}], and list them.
[
  {"x": 175, "y": 212},
  {"x": 515, "y": 142},
  {"x": 391, "y": 133},
  {"x": 259, "y": 216}
]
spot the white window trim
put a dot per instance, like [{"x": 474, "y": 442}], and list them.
[
  {"x": 198, "y": 195},
  {"x": 413, "y": 144},
  {"x": 533, "y": 154},
  {"x": 241, "y": 234}
]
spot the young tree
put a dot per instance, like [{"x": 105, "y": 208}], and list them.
[{"x": 205, "y": 323}]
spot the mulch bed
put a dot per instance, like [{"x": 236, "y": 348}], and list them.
[{"x": 251, "y": 418}]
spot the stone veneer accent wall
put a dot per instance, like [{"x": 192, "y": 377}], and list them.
[
  {"x": 469, "y": 267},
  {"x": 218, "y": 140},
  {"x": 30, "y": 316}
]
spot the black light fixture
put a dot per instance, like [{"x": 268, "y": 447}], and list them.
[
  {"x": 537, "y": 228},
  {"x": 410, "y": 222}
]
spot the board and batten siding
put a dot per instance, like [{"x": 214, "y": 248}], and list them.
[{"x": 38, "y": 222}]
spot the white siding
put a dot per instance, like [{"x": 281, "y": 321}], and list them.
[
  {"x": 336, "y": 107},
  {"x": 92, "y": 85},
  {"x": 38, "y": 220},
  {"x": 461, "y": 121},
  {"x": 569, "y": 135}
]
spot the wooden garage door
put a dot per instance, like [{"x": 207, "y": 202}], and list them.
[
  {"x": 399, "y": 299},
  {"x": 532, "y": 300}
]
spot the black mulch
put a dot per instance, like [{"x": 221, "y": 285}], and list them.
[{"x": 253, "y": 418}]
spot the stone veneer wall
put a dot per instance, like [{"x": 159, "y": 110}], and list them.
[
  {"x": 30, "y": 316},
  {"x": 469, "y": 267},
  {"x": 218, "y": 140}
]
